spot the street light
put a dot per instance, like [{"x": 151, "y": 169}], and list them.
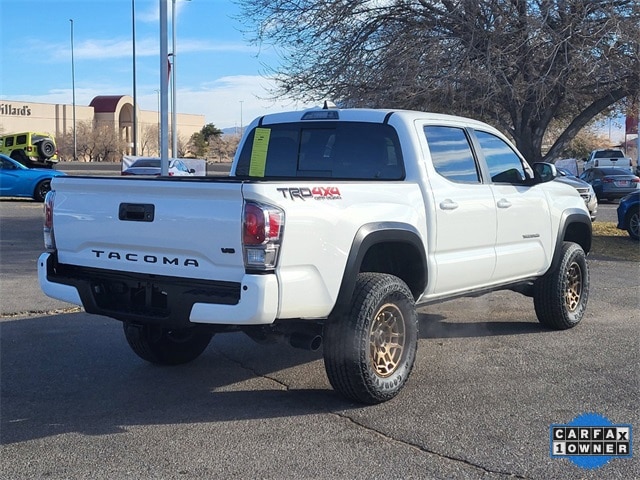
[
  {"x": 134, "y": 150},
  {"x": 164, "y": 90},
  {"x": 174, "y": 123},
  {"x": 73, "y": 89}
]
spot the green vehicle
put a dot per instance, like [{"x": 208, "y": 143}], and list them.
[{"x": 32, "y": 149}]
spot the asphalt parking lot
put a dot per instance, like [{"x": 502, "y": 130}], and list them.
[{"x": 489, "y": 381}]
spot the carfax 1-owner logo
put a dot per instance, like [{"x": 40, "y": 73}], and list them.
[{"x": 591, "y": 440}]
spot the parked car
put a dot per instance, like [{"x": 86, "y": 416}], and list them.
[
  {"x": 610, "y": 183},
  {"x": 629, "y": 214},
  {"x": 31, "y": 149},
  {"x": 584, "y": 189},
  {"x": 16, "y": 180},
  {"x": 151, "y": 166}
]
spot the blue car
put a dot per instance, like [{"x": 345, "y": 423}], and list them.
[
  {"x": 629, "y": 214},
  {"x": 16, "y": 180}
]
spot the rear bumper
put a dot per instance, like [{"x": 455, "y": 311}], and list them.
[{"x": 159, "y": 300}]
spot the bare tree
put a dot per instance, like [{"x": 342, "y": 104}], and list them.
[
  {"x": 223, "y": 147},
  {"x": 149, "y": 140},
  {"x": 518, "y": 64}
]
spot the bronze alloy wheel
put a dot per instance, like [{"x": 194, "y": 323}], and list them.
[
  {"x": 573, "y": 290},
  {"x": 387, "y": 340}
]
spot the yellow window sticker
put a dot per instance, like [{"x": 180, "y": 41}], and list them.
[{"x": 259, "y": 152}]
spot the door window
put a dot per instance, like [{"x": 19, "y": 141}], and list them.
[
  {"x": 504, "y": 165},
  {"x": 451, "y": 154}
]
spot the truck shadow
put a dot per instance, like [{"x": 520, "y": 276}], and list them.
[
  {"x": 434, "y": 326},
  {"x": 75, "y": 373}
]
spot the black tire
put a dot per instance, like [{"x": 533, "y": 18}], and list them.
[
  {"x": 21, "y": 157},
  {"x": 41, "y": 190},
  {"x": 46, "y": 149},
  {"x": 369, "y": 352},
  {"x": 560, "y": 296},
  {"x": 633, "y": 223},
  {"x": 164, "y": 346}
]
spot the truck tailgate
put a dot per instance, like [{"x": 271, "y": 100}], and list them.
[{"x": 155, "y": 226}]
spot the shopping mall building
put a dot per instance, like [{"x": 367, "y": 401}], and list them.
[{"x": 114, "y": 110}]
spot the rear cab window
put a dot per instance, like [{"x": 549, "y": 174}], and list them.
[
  {"x": 338, "y": 150},
  {"x": 451, "y": 154}
]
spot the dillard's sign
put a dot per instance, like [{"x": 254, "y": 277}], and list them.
[{"x": 9, "y": 109}]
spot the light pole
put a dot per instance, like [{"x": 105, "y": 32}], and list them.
[
  {"x": 174, "y": 123},
  {"x": 134, "y": 150},
  {"x": 174, "y": 136},
  {"x": 164, "y": 90},
  {"x": 73, "y": 94}
]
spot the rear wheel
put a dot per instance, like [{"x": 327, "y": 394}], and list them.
[
  {"x": 560, "y": 297},
  {"x": 166, "y": 346},
  {"x": 369, "y": 353},
  {"x": 21, "y": 157},
  {"x": 42, "y": 188}
]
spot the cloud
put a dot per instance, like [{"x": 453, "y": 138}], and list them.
[
  {"x": 114, "y": 48},
  {"x": 222, "y": 101}
]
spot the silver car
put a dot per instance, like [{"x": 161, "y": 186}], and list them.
[{"x": 584, "y": 189}]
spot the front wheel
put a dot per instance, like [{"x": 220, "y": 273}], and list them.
[
  {"x": 369, "y": 352},
  {"x": 560, "y": 296},
  {"x": 166, "y": 346},
  {"x": 633, "y": 224}
]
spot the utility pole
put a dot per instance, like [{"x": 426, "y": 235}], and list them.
[
  {"x": 164, "y": 90},
  {"x": 73, "y": 90},
  {"x": 134, "y": 150}
]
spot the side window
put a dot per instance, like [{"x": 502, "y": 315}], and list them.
[
  {"x": 8, "y": 142},
  {"x": 21, "y": 140},
  {"x": 504, "y": 165},
  {"x": 451, "y": 154}
]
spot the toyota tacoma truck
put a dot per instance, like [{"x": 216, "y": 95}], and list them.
[{"x": 332, "y": 227}]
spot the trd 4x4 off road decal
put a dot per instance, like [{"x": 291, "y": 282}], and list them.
[{"x": 315, "y": 193}]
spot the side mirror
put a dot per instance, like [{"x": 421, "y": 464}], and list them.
[{"x": 545, "y": 172}]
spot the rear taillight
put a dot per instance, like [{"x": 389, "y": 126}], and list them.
[
  {"x": 607, "y": 180},
  {"x": 49, "y": 239},
  {"x": 262, "y": 227},
  {"x": 635, "y": 180}
]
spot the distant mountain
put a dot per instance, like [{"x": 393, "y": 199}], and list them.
[{"x": 231, "y": 131}]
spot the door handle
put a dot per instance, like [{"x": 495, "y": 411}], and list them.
[
  {"x": 504, "y": 203},
  {"x": 448, "y": 204}
]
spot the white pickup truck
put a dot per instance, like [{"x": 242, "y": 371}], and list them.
[
  {"x": 608, "y": 157},
  {"x": 332, "y": 227}
]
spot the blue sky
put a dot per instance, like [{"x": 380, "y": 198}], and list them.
[{"x": 218, "y": 73}]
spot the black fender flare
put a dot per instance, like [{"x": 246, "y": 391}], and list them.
[
  {"x": 366, "y": 237},
  {"x": 575, "y": 226}
]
